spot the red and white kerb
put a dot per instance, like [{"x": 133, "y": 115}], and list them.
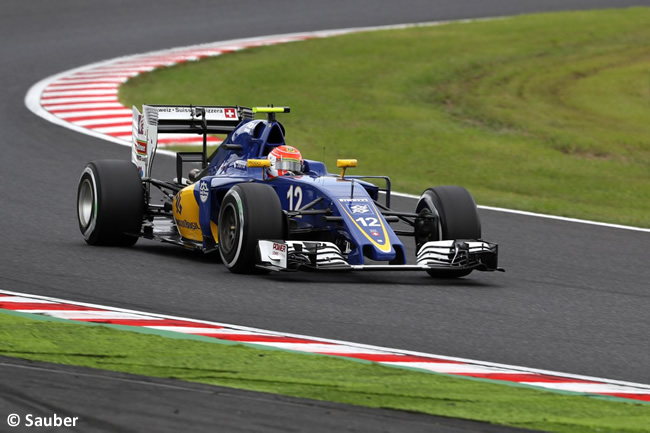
[{"x": 548, "y": 380}]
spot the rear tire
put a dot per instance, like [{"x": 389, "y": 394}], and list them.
[
  {"x": 249, "y": 212},
  {"x": 110, "y": 203},
  {"x": 457, "y": 216}
]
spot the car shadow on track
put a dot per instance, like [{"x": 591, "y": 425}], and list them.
[
  {"x": 173, "y": 251},
  {"x": 382, "y": 279}
]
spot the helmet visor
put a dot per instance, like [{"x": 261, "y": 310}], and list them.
[{"x": 288, "y": 165}]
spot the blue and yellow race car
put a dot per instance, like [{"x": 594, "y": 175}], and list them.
[{"x": 264, "y": 208}]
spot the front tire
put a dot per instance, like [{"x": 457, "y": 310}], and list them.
[
  {"x": 457, "y": 216},
  {"x": 249, "y": 212},
  {"x": 110, "y": 203}
]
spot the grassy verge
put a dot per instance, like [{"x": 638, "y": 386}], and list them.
[
  {"x": 312, "y": 376},
  {"x": 546, "y": 113}
]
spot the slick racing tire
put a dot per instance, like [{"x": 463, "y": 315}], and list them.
[
  {"x": 457, "y": 216},
  {"x": 110, "y": 203},
  {"x": 249, "y": 212}
]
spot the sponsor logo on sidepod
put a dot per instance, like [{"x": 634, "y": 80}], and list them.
[
  {"x": 204, "y": 191},
  {"x": 191, "y": 225}
]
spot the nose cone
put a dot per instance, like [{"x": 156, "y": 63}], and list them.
[{"x": 368, "y": 227}]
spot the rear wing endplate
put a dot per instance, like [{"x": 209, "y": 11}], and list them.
[{"x": 180, "y": 119}]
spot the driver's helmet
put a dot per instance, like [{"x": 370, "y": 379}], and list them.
[{"x": 285, "y": 159}]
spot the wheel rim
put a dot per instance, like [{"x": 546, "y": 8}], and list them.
[
  {"x": 86, "y": 203},
  {"x": 228, "y": 229}
]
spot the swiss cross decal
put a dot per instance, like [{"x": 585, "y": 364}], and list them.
[{"x": 230, "y": 113}]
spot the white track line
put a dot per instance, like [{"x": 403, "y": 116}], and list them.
[{"x": 540, "y": 215}]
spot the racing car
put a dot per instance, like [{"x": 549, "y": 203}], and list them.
[{"x": 265, "y": 213}]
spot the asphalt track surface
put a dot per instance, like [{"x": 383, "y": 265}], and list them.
[
  {"x": 159, "y": 405},
  {"x": 575, "y": 297}
]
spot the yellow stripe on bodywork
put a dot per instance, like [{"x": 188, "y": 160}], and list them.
[
  {"x": 383, "y": 248},
  {"x": 215, "y": 231}
]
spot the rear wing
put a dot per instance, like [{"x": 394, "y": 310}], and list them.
[{"x": 179, "y": 119}]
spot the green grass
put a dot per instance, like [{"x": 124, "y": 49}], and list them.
[
  {"x": 317, "y": 377},
  {"x": 546, "y": 113}
]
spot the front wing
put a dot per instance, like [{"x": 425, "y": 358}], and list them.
[{"x": 326, "y": 256}]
